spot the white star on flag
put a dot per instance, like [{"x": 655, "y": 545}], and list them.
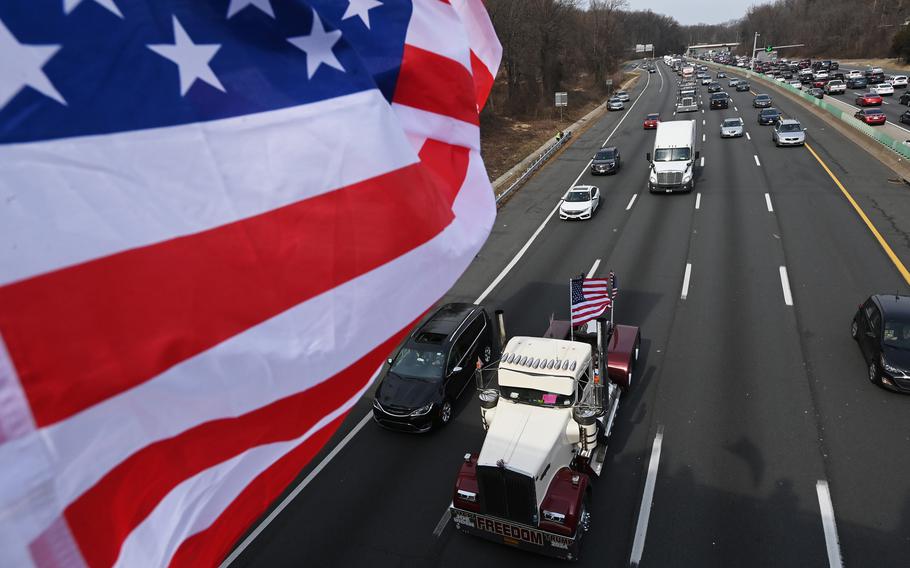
[
  {"x": 20, "y": 67},
  {"x": 318, "y": 47},
  {"x": 361, "y": 9},
  {"x": 70, "y": 5},
  {"x": 192, "y": 59},
  {"x": 237, "y": 5}
]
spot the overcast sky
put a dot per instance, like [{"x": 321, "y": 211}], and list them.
[{"x": 689, "y": 12}]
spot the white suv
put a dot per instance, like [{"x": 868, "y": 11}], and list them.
[{"x": 899, "y": 81}]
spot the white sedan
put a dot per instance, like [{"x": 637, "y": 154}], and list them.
[
  {"x": 580, "y": 202},
  {"x": 899, "y": 81},
  {"x": 882, "y": 89}
]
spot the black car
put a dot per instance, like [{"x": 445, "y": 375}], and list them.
[
  {"x": 905, "y": 117},
  {"x": 606, "y": 161},
  {"x": 816, "y": 92},
  {"x": 905, "y": 98},
  {"x": 768, "y": 116},
  {"x": 714, "y": 87},
  {"x": 743, "y": 87},
  {"x": 881, "y": 326},
  {"x": 720, "y": 100},
  {"x": 761, "y": 101},
  {"x": 433, "y": 367},
  {"x": 857, "y": 83}
]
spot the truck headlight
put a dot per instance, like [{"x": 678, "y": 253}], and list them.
[
  {"x": 468, "y": 496},
  {"x": 554, "y": 517},
  {"x": 687, "y": 176},
  {"x": 423, "y": 410},
  {"x": 652, "y": 177}
]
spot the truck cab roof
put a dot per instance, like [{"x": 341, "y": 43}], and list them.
[{"x": 549, "y": 365}]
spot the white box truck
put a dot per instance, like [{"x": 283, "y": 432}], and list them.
[{"x": 674, "y": 156}]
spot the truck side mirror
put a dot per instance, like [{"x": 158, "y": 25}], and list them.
[{"x": 648, "y": 156}]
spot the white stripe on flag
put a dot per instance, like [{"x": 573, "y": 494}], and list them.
[
  {"x": 204, "y": 175},
  {"x": 436, "y": 27},
  {"x": 481, "y": 34}
]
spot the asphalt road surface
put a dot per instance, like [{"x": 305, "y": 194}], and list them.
[{"x": 749, "y": 371}]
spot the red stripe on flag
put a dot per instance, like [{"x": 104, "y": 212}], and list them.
[
  {"x": 431, "y": 82},
  {"x": 82, "y": 334},
  {"x": 483, "y": 80},
  {"x": 211, "y": 546},
  {"x": 127, "y": 494}
]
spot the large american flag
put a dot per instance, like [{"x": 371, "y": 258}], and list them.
[
  {"x": 217, "y": 218},
  {"x": 590, "y": 299}
]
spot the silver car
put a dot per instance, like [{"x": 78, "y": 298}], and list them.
[
  {"x": 623, "y": 96},
  {"x": 731, "y": 128},
  {"x": 615, "y": 104},
  {"x": 788, "y": 132}
]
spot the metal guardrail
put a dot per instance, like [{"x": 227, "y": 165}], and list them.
[
  {"x": 535, "y": 165},
  {"x": 899, "y": 147}
]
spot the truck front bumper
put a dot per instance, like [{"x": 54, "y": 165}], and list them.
[{"x": 518, "y": 535}]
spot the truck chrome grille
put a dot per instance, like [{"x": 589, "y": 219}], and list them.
[{"x": 669, "y": 178}]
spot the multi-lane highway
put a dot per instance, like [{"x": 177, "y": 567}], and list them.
[{"x": 744, "y": 291}]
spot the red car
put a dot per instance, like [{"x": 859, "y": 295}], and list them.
[
  {"x": 869, "y": 99},
  {"x": 819, "y": 83},
  {"x": 651, "y": 121},
  {"x": 871, "y": 116}
]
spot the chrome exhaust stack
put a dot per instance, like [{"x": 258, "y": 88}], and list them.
[
  {"x": 600, "y": 375},
  {"x": 501, "y": 329}
]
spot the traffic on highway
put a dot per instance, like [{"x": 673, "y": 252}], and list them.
[{"x": 745, "y": 407}]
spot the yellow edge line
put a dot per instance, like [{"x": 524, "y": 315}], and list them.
[{"x": 881, "y": 240}]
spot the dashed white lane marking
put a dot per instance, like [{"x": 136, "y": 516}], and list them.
[
  {"x": 703, "y": 111},
  {"x": 757, "y": 163},
  {"x": 647, "y": 499},
  {"x": 631, "y": 201},
  {"x": 702, "y": 122},
  {"x": 686, "y": 277},
  {"x": 697, "y": 201},
  {"x": 702, "y": 161},
  {"x": 748, "y": 137},
  {"x": 736, "y": 109},
  {"x": 594, "y": 268},
  {"x": 441, "y": 525},
  {"x": 785, "y": 284},
  {"x": 827, "y": 512},
  {"x": 703, "y": 137},
  {"x": 768, "y": 203}
]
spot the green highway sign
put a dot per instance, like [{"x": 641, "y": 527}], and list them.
[{"x": 769, "y": 49}]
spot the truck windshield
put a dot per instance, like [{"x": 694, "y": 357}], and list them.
[
  {"x": 536, "y": 397},
  {"x": 419, "y": 364},
  {"x": 671, "y": 154}
]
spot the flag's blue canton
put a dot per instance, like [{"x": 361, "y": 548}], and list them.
[
  {"x": 113, "y": 82},
  {"x": 578, "y": 295}
]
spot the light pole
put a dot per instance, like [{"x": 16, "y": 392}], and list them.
[{"x": 754, "y": 45}]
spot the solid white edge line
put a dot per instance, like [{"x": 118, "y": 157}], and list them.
[
  {"x": 594, "y": 268},
  {"x": 296, "y": 491},
  {"x": 827, "y": 513},
  {"x": 785, "y": 284},
  {"x": 748, "y": 137},
  {"x": 768, "y": 203},
  {"x": 647, "y": 499},
  {"x": 757, "y": 163},
  {"x": 685, "y": 288},
  {"x": 631, "y": 201},
  {"x": 697, "y": 200}
]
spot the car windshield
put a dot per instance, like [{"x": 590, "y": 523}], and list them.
[
  {"x": 653, "y": 116},
  {"x": 425, "y": 364},
  {"x": 733, "y": 122},
  {"x": 763, "y": 98},
  {"x": 897, "y": 333},
  {"x": 671, "y": 154},
  {"x": 872, "y": 112},
  {"x": 578, "y": 196},
  {"x": 537, "y": 397},
  {"x": 790, "y": 128},
  {"x": 604, "y": 155},
  {"x": 769, "y": 112},
  {"x": 718, "y": 96}
]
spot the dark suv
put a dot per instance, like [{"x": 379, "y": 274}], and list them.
[
  {"x": 606, "y": 161},
  {"x": 433, "y": 367},
  {"x": 857, "y": 83},
  {"x": 720, "y": 100},
  {"x": 768, "y": 116},
  {"x": 881, "y": 326}
]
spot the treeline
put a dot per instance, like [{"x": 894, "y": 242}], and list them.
[
  {"x": 551, "y": 45},
  {"x": 828, "y": 28}
]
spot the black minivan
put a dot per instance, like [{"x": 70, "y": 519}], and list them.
[
  {"x": 433, "y": 368},
  {"x": 881, "y": 326}
]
